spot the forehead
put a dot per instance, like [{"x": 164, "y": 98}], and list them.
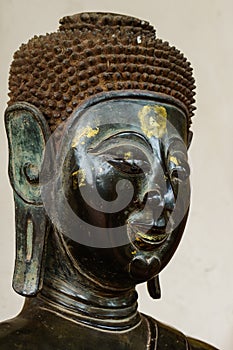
[{"x": 144, "y": 116}]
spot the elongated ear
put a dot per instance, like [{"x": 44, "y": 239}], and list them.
[
  {"x": 27, "y": 132},
  {"x": 153, "y": 287},
  {"x": 190, "y": 137}
]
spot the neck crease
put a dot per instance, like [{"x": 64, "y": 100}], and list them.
[{"x": 67, "y": 292}]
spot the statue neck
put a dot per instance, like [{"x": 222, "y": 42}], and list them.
[{"x": 68, "y": 291}]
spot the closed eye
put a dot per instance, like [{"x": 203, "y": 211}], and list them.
[
  {"x": 179, "y": 172},
  {"x": 177, "y": 161},
  {"x": 130, "y": 167}
]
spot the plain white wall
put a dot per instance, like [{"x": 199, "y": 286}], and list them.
[{"x": 197, "y": 286}]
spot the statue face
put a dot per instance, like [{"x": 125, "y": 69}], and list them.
[{"x": 123, "y": 189}]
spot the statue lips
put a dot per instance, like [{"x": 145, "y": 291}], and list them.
[
  {"x": 148, "y": 236},
  {"x": 152, "y": 235}
]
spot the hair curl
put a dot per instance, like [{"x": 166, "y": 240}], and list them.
[{"x": 92, "y": 53}]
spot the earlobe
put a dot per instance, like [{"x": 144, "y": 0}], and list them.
[
  {"x": 27, "y": 132},
  {"x": 32, "y": 227},
  {"x": 153, "y": 286}
]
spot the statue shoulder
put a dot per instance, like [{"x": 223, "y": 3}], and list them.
[
  {"x": 170, "y": 338},
  {"x": 13, "y": 332},
  {"x": 31, "y": 333},
  {"x": 196, "y": 344},
  {"x": 21, "y": 334}
]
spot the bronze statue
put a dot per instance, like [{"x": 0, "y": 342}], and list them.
[{"x": 98, "y": 125}]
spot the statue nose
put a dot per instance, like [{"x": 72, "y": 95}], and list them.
[
  {"x": 155, "y": 202},
  {"x": 154, "y": 198}
]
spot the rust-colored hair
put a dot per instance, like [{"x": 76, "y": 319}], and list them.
[{"x": 92, "y": 53}]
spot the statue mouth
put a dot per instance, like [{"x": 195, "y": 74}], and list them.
[{"x": 146, "y": 236}]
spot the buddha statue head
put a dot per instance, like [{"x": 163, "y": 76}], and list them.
[{"x": 98, "y": 125}]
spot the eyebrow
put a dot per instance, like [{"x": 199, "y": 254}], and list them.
[{"x": 127, "y": 135}]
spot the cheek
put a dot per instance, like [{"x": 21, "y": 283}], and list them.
[
  {"x": 105, "y": 201},
  {"x": 166, "y": 252},
  {"x": 106, "y": 185},
  {"x": 182, "y": 201},
  {"x": 115, "y": 187}
]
